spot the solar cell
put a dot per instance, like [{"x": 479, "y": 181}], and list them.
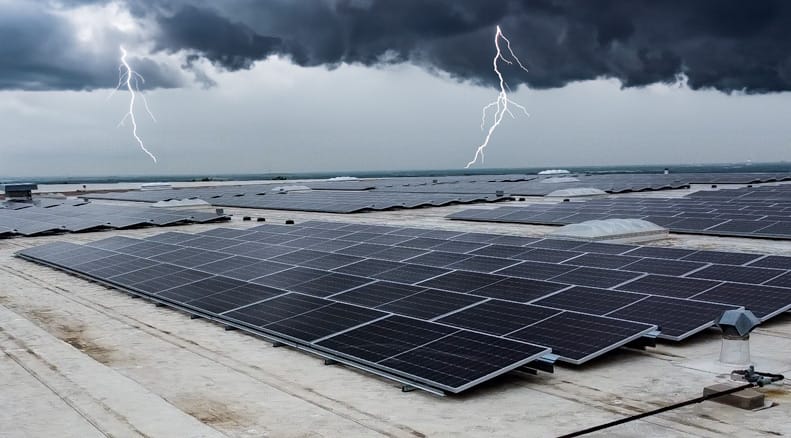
[
  {"x": 200, "y": 289},
  {"x": 178, "y": 278},
  {"x": 773, "y": 261},
  {"x": 331, "y": 261},
  {"x": 326, "y": 285},
  {"x": 290, "y": 277},
  {"x": 397, "y": 254},
  {"x": 258, "y": 269}
]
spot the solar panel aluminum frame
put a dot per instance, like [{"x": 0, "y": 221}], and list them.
[{"x": 408, "y": 381}]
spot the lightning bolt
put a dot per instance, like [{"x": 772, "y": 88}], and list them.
[
  {"x": 125, "y": 78},
  {"x": 501, "y": 104}
]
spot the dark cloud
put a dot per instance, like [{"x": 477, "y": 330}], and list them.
[{"x": 729, "y": 45}]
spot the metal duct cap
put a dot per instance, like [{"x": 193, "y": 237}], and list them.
[{"x": 737, "y": 322}]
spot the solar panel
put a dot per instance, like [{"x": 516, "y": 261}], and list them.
[
  {"x": 668, "y": 286},
  {"x": 589, "y": 300},
  {"x": 324, "y": 321},
  {"x": 497, "y": 317},
  {"x": 385, "y": 338},
  {"x": 764, "y": 301},
  {"x": 484, "y": 357},
  {"x": 739, "y": 274},
  {"x": 429, "y": 304},
  {"x": 677, "y": 319},
  {"x": 276, "y": 309},
  {"x": 547, "y": 255},
  {"x": 518, "y": 289},
  {"x": 461, "y": 281},
  {"x": 224, "y": 301},
  {"x": 577, "y": 337},
  {"x": 595, "y": 277},
  {"x": 478, "y": 301},
  {"x": 721, "y": 257},
  {"x": 377, "y": 293}
]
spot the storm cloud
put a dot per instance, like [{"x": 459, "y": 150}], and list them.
[{"x": 728, "y": 45}]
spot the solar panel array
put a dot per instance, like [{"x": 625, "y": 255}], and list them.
[
  {"x": 442, "y": 308},
  {"x": 345, "y": 201},
  {"x": 18, "y": 219},
  {"x": 696, "y": 215},
  {"x": 410, "y": 192}
]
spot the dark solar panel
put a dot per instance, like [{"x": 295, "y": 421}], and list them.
[
  {"x": 254, "y": 270},
  {"x": 411, "y": 273},
  {"x": 773, "y": 261},
  {"x": 668, "y": 286},
  {"x": 429, "y": 304},
  {"x": 369, "y": 267},
  {"x": 763, "y": 301},
  {"x": 661, "y": 253},
  {"x": 276, "y": 309},
  {"x": 547, "y": 255},
  {"x": 385, "y": 338},
  {"x": 589, "y": 300},
  {"x": 608, "y": 261},
  {"x": 577, "y": 337},
  {"x": 200, "y": 289},
  {"x": 378, "y": 293},
  {"x": 536, "y": 270},
  {"x": 518, "y": 289},
  {"x": 438, "y": 362},
  {"x": 595, "y": 277},
  {"x": 483, "y": 264},
  {"x": 498, "y": 317},
  {"x": 438, "y": 259},
  {"x": 330, "y": 284},
  {"x": 290, "y": 277},
  {"x": 461, "y": 281},
  {"x": 677, "y": 319},
  {"x": 739, "y": 274},
  {"x": 231, "y": 299},
  {"x": 720, "y": 257},
  {"x": 324, "y": 321},
  {"x": 663, "y": 266}
]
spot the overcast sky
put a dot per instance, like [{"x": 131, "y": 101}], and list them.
[{"x": 329, "y": 85}]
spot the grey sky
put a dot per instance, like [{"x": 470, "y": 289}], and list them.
[{"x": 276, "y": 116}]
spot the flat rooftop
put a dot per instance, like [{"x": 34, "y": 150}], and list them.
[{"x": 80, "y": 359}]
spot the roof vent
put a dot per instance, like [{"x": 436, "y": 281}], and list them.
[{"x": 736, "y": 326}]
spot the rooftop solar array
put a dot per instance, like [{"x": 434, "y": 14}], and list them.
[
  {"x": 340, "y": 201},
  {"x": 444, "y": 309},
  {"x": 18, "y": 219},
  {"x": 409, "y": 192},
  {"x": 693, "y": 215}
]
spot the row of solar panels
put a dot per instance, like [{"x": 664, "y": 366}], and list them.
[
  {"x": 496, "y": 302},
  {"x": 411, "y": 192},
  {"x": 319, "y": 200},
  {"x": 736, "y": 217},
  {"x": 768, "y": 193},
  {"x": 32, "y": 220}
]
